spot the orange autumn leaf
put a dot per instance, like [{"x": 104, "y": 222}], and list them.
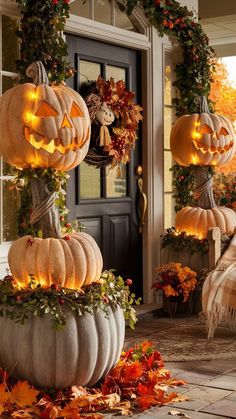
[
  {"x": 145, "y": 402},
  {"x": 173, "y": 382},
  {"x": 23, "y": 394},
  {"x": 132, "y": 372},
  {"x": 145, "y": 389},
  {"x": 4, "y": 395},
  {"x": 70, "y": 413}
]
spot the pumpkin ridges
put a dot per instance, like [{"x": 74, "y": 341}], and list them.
[
  {"x": 97, "y": 252},
  {"x": 57, "y": 269},
  {"x": 80, "y": 267},
  {"x": 225, "y": 220},
  {"x": 90, "y": 257},
  {"x": 69, "y": 263}
]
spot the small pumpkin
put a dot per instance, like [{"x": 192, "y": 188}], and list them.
[
  {"x": 70, "y": 262},
  {"x": 202, "y": 139},
  {"x": 42, "y": 125},
  {"x": 80, "y": 354},
  {"x": 197, "y": 221}
]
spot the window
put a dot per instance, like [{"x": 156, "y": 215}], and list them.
[
  {"x": 8, "y": 194},
  {"x": 169, "y": 115},
  {"x": 110, "y": 12}
]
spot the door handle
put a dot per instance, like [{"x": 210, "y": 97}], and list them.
[{"x": 142, "y": 199}]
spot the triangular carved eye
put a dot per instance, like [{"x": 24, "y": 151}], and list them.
[
  {"x": 223, "y": 131},
  {"x": 205, "y": 129},
  {"x": 75, "y": 111},
  {"x": 46, "y": 110}
]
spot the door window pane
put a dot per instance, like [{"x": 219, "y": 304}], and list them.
[
  {"x": 116, "y": 72},
  {"x": 103, "y": 11},
  {"x": 10, "y": 205},
  {"x": 80, "y": 8},
  {"x": 169, "y": 75},
  {"x": 168, "y": 120},
  {"x": 116, "y": 182},
  {"x": 168, "y": 215},
  {"x": 167, "y": 174},
  {"x": 9, "y": 44},
  {"x": 121, "y": 19},
  {"x": 90, "y": 186},
  {"x": 7, "y": 83},
  {"x": 88, "y": 70}
]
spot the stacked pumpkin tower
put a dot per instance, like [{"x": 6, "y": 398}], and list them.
[
  {"x": 203, "y": 140},
  {"x": 49, "y": 127}
]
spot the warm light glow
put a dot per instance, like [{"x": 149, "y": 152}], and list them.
[
  {"x": 29, "y": 117},
  {"x": 194, "y": 160},
  {"x": 196, "y": 135},
  {"x": 196, "y": 124},
  {"x": 33, "y": 95}
]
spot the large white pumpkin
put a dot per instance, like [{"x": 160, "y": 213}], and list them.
[{"x": 82, "y": 353}]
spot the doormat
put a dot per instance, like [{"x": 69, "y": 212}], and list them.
[{"x": 187, "y": 341}]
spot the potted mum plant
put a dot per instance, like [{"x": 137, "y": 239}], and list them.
[{"x": 177, "y": 282}]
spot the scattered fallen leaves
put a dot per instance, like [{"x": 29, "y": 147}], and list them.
[
  {"x": 180, "y": 414},
  {"x": 139, "y": 381}
]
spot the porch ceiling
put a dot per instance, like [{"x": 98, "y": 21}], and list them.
[{"x": 218, "y": 20}]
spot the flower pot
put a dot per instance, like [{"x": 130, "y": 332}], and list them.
[
  {"x": 170, "y": 306},
  {"x": 83, "y": 352}
]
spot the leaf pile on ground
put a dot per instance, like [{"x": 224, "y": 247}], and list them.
[{"x": 139, "y": 381}]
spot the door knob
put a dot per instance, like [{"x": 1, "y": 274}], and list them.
[{"x": 142, "y": 199}]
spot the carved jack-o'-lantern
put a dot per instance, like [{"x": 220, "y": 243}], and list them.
[
  {"x": 202, "y": 139},
  {"x": 42, "y": 125}
]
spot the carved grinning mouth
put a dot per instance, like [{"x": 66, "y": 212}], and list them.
[
  {"x": 39, "y": 141},
  {"x": 212, "y": 149}
]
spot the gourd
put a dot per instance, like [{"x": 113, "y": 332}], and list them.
[
  {"x": 82, "y": 353},
  {"x": 197, "y": 221},
  {"x": 43, "y": 126},
  {"x": 202, "y": 139},
  {"x": 70, "y": 262}
]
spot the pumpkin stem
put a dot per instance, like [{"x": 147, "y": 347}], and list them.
[
  {"x": 37, "y": 72},
  {"x": 203, "y": 192},
  {"x": 203, "y": 105},
  {"x": 44, "y": 210}
]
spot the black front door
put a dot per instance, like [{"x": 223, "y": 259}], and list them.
[{"x": 104, "y": 201}]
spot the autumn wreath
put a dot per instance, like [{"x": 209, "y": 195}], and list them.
[{"x": 114, "y": 118}]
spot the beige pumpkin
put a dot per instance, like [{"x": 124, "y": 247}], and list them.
[
  {"x": 70, "y": 262},
  {"x": 42, "y": 125},
  {"x": 197, "y": 221},
  {"x": 80, "y": 354},
  {"x": 202, "y": 139}
]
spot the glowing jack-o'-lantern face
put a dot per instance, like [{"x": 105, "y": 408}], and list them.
[
  {"x": 44, "y": 126},
  {"x": 202, "y": 139}
]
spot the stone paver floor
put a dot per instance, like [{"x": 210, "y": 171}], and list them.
[{"x": 211, "y": 384}]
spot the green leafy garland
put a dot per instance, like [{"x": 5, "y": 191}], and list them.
[
  {"x": 40, "y": 33},
  {"x": 193, "y": 75},
  {"x": 55, "y": 301},
  {"x": 182, "y": 241}
]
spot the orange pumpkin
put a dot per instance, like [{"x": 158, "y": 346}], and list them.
[
  {"x": 197, "y": 221},
  {"x": 69, "y": 262},
  {"x": 42, "y": 125},
  {"x": 202, "y": 139}
]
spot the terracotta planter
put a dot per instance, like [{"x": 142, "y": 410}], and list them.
[{"x": 82, "y": 353}]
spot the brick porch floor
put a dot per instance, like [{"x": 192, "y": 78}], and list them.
[{"x": 211, "y": 385}]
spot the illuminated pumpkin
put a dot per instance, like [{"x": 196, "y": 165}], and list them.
[
  {"x": 70, "y": 262},
  {"x": 202, "y": 139},
  {"x": 197, "y": 221},
  {"x": 42, "y": 125}
]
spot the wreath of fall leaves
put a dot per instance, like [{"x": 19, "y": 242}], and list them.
[{"x": 123, "y": 130}]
